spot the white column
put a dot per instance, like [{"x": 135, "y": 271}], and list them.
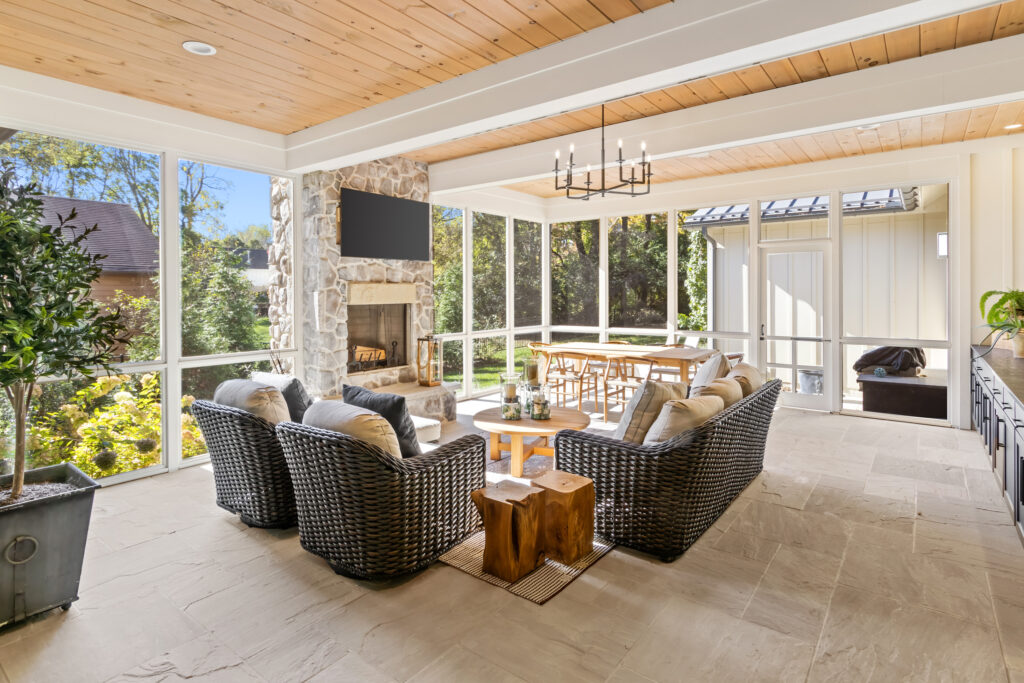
[
  {"x": 170, "y": 300},
  {"x": 672, "y": 279},
  {"x": 602, "y": 287}
]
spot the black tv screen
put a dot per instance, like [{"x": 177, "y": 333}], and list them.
[{"x": 375, "y": 226}]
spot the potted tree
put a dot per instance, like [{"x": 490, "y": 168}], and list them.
[
  {"x": 49, "y": 327},
  {"x": 1006, "y": 316}
]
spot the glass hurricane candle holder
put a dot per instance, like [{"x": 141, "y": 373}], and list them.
[
  {"x": 509, "y": 385},
  {"x": 531, "y": 372},
  {"x": 540, "y": 408},
  {"x": 511, "y": 410}
]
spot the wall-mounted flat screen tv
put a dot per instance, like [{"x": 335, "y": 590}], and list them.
[{"x": 375, "y": 226}]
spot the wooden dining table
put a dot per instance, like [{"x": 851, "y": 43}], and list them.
[{"x": 682, "y": 357}]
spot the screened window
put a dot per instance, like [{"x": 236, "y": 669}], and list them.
[
  {"x": 526, "y": 255},
  {"x": 637, "y": 270},
  {"x": 447, "y": 232},
  {"x": 713, "y": 269},
  {"x": 232, "y": 270},
  {"x": 489, "y": 306},
  {"x": 575, "y": 271}
]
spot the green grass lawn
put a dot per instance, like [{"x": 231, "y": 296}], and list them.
[{"x": 263, "y": 332}]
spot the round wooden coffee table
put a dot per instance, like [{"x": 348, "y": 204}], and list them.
[{"x": 516, "y": 430}]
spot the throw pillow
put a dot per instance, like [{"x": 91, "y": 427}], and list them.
[
  {"x": 678, "y": 416},
  {"x": 258, "y": 399},
  {"x": 355, "y": 421},
  {"x": 747, "y": 375},
  {"x": 711, "y": 369},
  {"x": 643, "y": 408},
  {"x": 291, "y": 388},
  {"x": 392, "y": 408},
  {"x": 726, "y": 388}
]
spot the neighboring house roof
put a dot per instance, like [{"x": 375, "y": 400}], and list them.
[
  {"x": 892, "y": 199},
  {"x": 254, "y": 259},
  {"x": 128, "y": 244}
]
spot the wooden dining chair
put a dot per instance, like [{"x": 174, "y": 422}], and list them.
[
  {"x": 570, "y": 377},
  {"x": 623, "y": 377},
  {"x": 538, "y": 349}
]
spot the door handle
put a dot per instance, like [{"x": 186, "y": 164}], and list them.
[{"x": 762, "y": 331}]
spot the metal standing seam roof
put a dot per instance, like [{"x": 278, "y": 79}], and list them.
[
  {"x": 128, "y": 243},
  {"x": 873, "y": 201}
]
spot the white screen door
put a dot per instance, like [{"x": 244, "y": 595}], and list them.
[{"x": 795, "y": 296}]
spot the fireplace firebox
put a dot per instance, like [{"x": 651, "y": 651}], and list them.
[{"x": 377, "y": 336}]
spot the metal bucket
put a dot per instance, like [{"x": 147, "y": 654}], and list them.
[{"x": 42, "y": 544}]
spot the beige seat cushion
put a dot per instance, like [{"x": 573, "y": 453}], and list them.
[
  {"x": 643, "y": 408},
  {"x": 711, "y": 369},
  {"x": 355, "y": 421},
  {"x": 259, "y": 399},
  {"x": 678, "y": 416},
  {"x": 748, "y": 376},
  {"x": 727, "y": 388}
]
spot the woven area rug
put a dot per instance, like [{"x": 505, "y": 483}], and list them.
[{"x": 540, "y": 585}]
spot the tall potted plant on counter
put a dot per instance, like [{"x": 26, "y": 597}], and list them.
[
  {"x": 49, "y": 327},
  {"x": 1005, "y": 316}
]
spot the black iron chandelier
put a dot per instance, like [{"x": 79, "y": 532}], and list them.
[{"x": 638, "y": 183}]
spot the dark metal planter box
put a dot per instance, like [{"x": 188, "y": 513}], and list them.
[{"x": 42, "y": 544}]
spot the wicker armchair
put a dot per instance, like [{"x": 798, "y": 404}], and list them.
[
  {"x": 373, "y": 516},
  {"x": 249, "y": 469},
  {"x": 660, "y": 498}
]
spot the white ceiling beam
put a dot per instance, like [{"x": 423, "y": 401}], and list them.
[
  {"x": 42, "y": 104},
  {"x": 670, "y": 44},
  {"x": 976, "y": 75}
]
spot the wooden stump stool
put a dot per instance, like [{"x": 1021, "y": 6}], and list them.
[
  {"x": 514, "y": 528},
  {"x": 569, "y": 518}
]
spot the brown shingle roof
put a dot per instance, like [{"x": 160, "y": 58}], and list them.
[{"x": 129, "y": 245}]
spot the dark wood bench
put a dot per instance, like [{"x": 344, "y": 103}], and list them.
[{"x": 923, "y": 396}]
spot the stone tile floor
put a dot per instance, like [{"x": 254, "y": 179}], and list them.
[{"x": 867, "y": 550}]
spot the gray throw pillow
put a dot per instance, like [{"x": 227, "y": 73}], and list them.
[
  {"x": 253, "y": 397},
  {"x": 291, "y": 388},
  {"x": 643, "y": 408},
  {"x": 354, "y": 421},
  {"x": 392, "y": 408}
]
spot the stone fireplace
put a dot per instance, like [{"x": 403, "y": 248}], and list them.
[
  {"x": 358, "y": 302},
  {"x": 378, "y": 326}
]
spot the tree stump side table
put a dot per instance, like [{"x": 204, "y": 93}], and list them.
[
  {"x": 513, "y": 516},
  {"x": 569, "y": 515}
]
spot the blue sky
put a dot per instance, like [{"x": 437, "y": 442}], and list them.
[{"x": 246, "y": 200}]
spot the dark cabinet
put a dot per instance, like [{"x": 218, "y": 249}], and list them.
[{"x": 997, "y": 413}]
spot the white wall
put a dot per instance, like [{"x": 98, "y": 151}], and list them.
[
  {"x": 996, "y": 223},
  {"x": 894, "y": 284}
]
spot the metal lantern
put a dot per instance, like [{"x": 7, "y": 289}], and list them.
[{"x": 428, "y": 361}]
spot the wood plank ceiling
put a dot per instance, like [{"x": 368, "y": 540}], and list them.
[
  {"x": 284, "y": 66},
  {"x": 918, "y": 131},
  {"x": 990, "y": 23}
]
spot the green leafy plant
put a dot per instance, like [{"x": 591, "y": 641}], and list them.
[
  {"x": 49, "y": 325},
  {"x": 1005, "y": 315},
  {"x": 109, "y": 426}
]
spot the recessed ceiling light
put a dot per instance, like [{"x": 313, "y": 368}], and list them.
[
  {"x": 1013, "y": 126},
  {"x": 870, "y": 126},
  {"x": 199, "y": 48}
]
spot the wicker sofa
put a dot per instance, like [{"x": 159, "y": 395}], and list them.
[
  {"x": 374, "y": 516},
  {"x": 660, "y": 498},
  {"x": 249, "y": 470}
]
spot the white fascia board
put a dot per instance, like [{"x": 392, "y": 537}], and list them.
[
  {"x": 42, "y": 104},
  {"x": 497, "y": 200},
  {"x": 664, "y": 46},
  {"x": 976, "y": 75}
]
